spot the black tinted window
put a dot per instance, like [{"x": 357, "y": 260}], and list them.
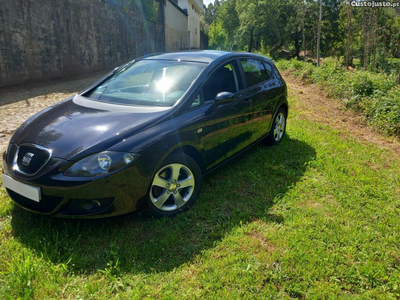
[
  {"x": 196, "y": 101},
  {"x": 255, "y": 71},
  {"x": 222, "y": 80}
]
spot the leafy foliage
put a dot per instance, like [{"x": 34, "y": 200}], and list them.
[
  {"x": 224, "y": 29},
  {"x": 210, "y": 12},
  {"x": 370, "y": 35}
]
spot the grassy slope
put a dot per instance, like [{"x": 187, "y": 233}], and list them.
[
  {"x": 375, "y": 95},
  {"x": 317, "y": 216}
]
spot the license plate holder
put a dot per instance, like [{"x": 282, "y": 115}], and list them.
[{"x": 26, "y": 190}]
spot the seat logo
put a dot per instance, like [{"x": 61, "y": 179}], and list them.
[{"x": 26, "y": 160}]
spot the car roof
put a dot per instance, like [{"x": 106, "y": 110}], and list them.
[{"x": 204, "y": 56}]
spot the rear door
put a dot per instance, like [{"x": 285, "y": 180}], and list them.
[
  {"x": 227, "y": 127},
  {"x": 261, "y": 90}
]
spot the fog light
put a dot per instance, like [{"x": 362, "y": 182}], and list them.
[{"x": 89, "y": 206}]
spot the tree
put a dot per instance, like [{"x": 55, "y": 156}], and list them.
[
  {"x": 347, "y": 18},
  {"x": 224, "y": 29},
  {"x": 370, "y": 34},
  {"x": 303, "y": 26},
  {"x": 210, "y": 12},
  {"x": 319, "y": 33}
]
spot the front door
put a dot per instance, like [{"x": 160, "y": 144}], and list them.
[{"x": 227, "y": 128}]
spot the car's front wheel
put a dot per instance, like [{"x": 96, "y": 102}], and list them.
[{"x": 175, "y": 186}]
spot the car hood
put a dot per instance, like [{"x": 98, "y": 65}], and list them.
[{"x": 79, "y": 126}]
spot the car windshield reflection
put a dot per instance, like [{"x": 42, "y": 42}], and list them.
[{"x": 147, "y": 82}]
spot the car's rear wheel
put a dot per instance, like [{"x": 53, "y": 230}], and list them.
[
  {"x": 175, "y": 186},
  {"x": 278, "y": 128}
]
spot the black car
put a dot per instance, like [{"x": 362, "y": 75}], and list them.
[{"x": 144, "y": 135}]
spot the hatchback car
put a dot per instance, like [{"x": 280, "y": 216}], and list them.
[{"x": 145, "y": 134}]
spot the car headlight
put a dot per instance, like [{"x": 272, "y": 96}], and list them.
[{"x": 101, "y": 164}]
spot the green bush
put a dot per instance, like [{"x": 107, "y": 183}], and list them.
[
  {"x": 385, "y": 111},
  {"x": 374, "y": 94}
]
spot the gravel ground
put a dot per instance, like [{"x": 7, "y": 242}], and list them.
[{"x": 20, "y": 102}]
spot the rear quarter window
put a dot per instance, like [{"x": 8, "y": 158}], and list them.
[
  {"x": 255, "y": 71},
  {"x": 269, "y": 69}
]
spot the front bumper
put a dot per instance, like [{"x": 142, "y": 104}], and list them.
[{"x": 70, "y": 197}]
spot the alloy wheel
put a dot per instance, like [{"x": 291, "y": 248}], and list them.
[
  {"x": 172, "y": 187},
  {"x": 279, "y": 127}
]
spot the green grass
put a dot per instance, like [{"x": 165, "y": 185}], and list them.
[{"x": 316, "y": 217}]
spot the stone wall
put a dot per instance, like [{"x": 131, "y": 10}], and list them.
[{"x": 45, "y": 39}]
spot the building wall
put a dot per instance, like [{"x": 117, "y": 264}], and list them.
[
  {"x": 52, "y": 39},
  {"x": 176, "y": 24},
  {"x": 194, "y": 9}
]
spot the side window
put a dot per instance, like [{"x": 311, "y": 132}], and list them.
[
  {"x": 222, "y": 80},
  {"x": 196, "y": 101},
  {"x": 268, "y": 68},
  {"x": 254, "y": 70}
]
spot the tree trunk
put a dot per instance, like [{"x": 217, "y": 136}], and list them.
[
  {"x": 251, "y": 39},
  {"x": 297, "y": 44},
  {"x": 303, "y": 29},
  {"x": 258, "y": 41},
  {"x": 366, "y": 37},
  {"x": 374, "y": 39},
  {"x": 349, "y": 37},
  {"x": 275, "y": 48},
  {"x": 277, "y": 34},
  {"x": 319, "y": 34}
]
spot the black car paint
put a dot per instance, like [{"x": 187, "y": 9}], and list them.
[{"x": 210, "y": 133}]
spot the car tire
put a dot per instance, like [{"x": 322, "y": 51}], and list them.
[
  {"x": 166, "y": 196},
  {"x": 278, "y": 128}
]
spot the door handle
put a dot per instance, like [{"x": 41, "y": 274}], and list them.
[{"x": 248, "y": 102}]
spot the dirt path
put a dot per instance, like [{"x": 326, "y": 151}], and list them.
[
  {"x": 312, "y": 103},
  {"x": 24, "y": 101}
]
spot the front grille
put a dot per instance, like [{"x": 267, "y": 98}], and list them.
[
  {"x": 46, "y": 204},
  {"x": 31, "y": 159}
]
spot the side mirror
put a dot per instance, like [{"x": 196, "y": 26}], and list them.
[{"x": 224, "y": 97}]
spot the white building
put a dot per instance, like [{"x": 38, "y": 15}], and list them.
[
  {"x": 194, "y": 9},
  {"x": 182, "y": 24}
]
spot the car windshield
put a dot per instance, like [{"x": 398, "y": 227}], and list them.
[{"x": 147, "y": 82}]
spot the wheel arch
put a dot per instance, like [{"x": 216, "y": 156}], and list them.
[
  {"x": 187, "y": 149},
  {"x": 285, "y": 107},
  {"x": 191, "y": 151}
]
